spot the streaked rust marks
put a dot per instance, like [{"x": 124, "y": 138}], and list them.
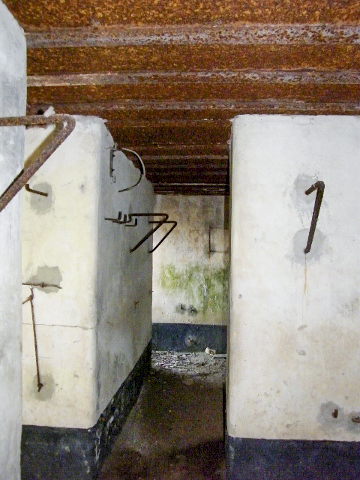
[
  {"x": 225, "y": 34},
  {"x": 78, "y": 13}
]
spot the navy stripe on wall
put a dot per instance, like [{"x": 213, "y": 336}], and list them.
[
  {"x": 184, "y": 337},
  {"x": 259, "y": 459}
]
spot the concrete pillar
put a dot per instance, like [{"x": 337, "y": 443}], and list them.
[
  {"x": 93, "y": 324},
  {"x": 293, "y": 399},
  {"x": 12, "y": 103}
]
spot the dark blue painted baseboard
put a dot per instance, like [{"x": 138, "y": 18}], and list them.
[
  {"x": 49, "y": 453},
  {"x": 259, "y": 459},
  {"x": 184, "y": 337}
]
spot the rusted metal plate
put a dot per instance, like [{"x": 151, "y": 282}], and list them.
[
  {"x": 170, "y": 76},
  {"x": 199, "y": 57},
  {"x": 188, "y": 92},
  {"x": 192, "y": 188},
  {"x": 77, "y": 13},
  {"x": 199, "y": 151},
  {"x": 169, "y": 135},
  {"x": 211, "y": 111},
  {"x": 187, "y": 177}
]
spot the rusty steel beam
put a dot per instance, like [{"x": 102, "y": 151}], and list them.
[
  {"x": 114, "y": 95},
  {"x": 125, "y": 135},
  {"x": 182, "y": 150},
  {"x": 65, "y": 123},
  {"x": 200, "y": 149},
  {"x": 35, "y": 14},
  {"x": 302, "y": 77},
  {"x": 201, "y": 174},
  {"x": 191, "y": 189},
  {"x": 231, "y": 105},
  {"x": 225, "y": 34},
  {"x": 166, "y": 159},
  {"x": 53, "y": 61}
]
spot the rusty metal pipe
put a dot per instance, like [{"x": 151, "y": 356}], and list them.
[{"x": 65, "y": 122}]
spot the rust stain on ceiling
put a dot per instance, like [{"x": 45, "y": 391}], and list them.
[{"x": 169, "y": 76}]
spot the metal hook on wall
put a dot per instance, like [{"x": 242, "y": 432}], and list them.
[
  {"x": 132, "y": 217},
  {"x": 120, "y": 220},
  {"x": 31, "y": 190},
  {"x": 174, "y": 224},
  {"x": 153, "y": 230},
  {"x": 320, "y": 187},
  {"x": 65, "y": 124}
]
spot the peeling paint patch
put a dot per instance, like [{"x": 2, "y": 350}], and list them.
[
  {"x": 206, "y": 287},
  {"x": 48, "y": 389},
  {"x": 331, "y": 416},
  {"x": 39, "y": 203},
  {"x": 299, "y": 244},
  {"x": 303, "y": 202},
  {"x": 50, "y": 275}
]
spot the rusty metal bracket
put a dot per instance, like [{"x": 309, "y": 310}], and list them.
[
  {"x": 131, "y": 217},
  {"x": 174, "y": 224},
  {"x": 320, "y": 187},
  {"x": 153, "y": 230},
  {"x": 64, "y": 125},
  {"x": 120, "y": 220}
]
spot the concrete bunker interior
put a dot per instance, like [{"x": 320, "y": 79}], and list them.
[{"x": 294, "y": 332}]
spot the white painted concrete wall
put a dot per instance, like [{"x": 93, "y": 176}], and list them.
[
  {"x": 12, "y": 103},
  {"x": 190, "y": 275},
  {"x": 124, "y": 281},
  {"x": 294, "y": 321},
  {"x": 68, "y": 242}
]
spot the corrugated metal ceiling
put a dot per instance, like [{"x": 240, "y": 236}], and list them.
[{"x": 169, "y": 76}]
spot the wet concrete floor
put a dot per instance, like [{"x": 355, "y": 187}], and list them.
[{"x": 176, "y": 429}]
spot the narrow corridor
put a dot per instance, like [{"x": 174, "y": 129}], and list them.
[{"x": 175, "y": 431}]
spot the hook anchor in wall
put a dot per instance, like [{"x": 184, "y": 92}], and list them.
[
  {"x": 31, "y": 190},
  {"x": 31, "y": 300},
  {"x": 320, "y": 187},
  {"x": 132, "y": 217},
  {"x": 64, "y": 124}
]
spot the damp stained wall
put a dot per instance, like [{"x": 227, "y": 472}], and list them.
[
  {"x": 12, "y": 103},
  {"x": 294, "y": 320},
  {"x": 190, "y": 269},
  {"x": 90, "y": 331}
]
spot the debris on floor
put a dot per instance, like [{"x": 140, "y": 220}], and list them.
[{"x": 176, "y": 429}]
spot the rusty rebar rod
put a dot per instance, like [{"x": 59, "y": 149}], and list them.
[
  {"x": 31, "y": 300},
  {"x": 174, "y": 224},
  {"x": 31, "y": 190},
  {"x": 320, "y": 187},
  {"x": 66, "y": 124},
  {"x": 153, "y": 230}
]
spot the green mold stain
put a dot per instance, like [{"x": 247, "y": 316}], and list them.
[{"x": 206, "y": 288}]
